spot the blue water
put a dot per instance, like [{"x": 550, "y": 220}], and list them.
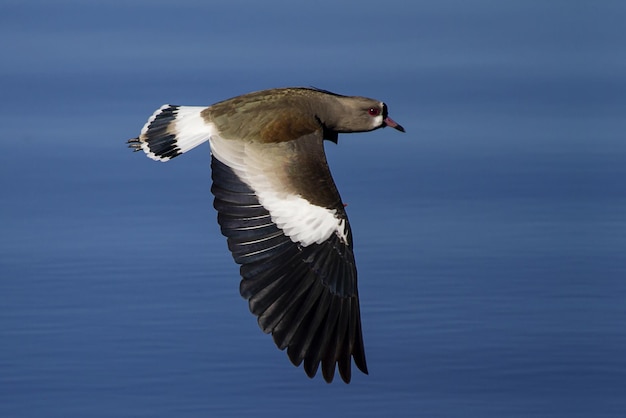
[{"x": 490, "y": 238}]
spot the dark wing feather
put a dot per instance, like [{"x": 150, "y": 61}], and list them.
[{"x": 306, "y": 297}]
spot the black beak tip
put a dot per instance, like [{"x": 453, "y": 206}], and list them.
[{"x": 392, "y": 124}]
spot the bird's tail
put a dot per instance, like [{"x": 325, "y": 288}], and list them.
[{"x": 172, "y": 130}]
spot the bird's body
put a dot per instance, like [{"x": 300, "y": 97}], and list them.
[{"x": 281, "y": 212}]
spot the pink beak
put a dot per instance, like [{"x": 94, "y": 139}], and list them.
[{"x": 391, "y": 123}]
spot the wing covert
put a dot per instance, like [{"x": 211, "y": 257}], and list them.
[{"x": 303, "y": 293}]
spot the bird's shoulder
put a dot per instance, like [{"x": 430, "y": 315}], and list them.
[{"x": 267, "y": 116}]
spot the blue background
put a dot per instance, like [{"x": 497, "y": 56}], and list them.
[{"x": 490, "y": 238}]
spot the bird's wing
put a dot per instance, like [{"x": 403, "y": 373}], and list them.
[{"x": 287, "y": 227}]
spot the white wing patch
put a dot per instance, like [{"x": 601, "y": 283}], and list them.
[{"x": 300, "y": 220}]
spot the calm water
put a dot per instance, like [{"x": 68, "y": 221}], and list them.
[{"x": 490, "y": 238}]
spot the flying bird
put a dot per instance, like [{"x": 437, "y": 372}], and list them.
[{"x": 280, "y": 210}]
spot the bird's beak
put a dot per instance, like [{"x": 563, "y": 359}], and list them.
[{"x": 391, "y": 123}]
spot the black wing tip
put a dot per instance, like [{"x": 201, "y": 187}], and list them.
[
  {"x": 328, "y": 372},
  {"x": 335, "y": 348},
  {"x": 361, "y": 364}
]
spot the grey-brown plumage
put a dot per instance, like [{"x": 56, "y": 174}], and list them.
[{"x": 281, "y": 212}]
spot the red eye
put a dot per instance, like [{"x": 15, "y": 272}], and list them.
[{"x": 373, "y": 111}]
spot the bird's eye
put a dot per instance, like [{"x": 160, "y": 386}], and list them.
[{"x": 373, "y": 111}]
